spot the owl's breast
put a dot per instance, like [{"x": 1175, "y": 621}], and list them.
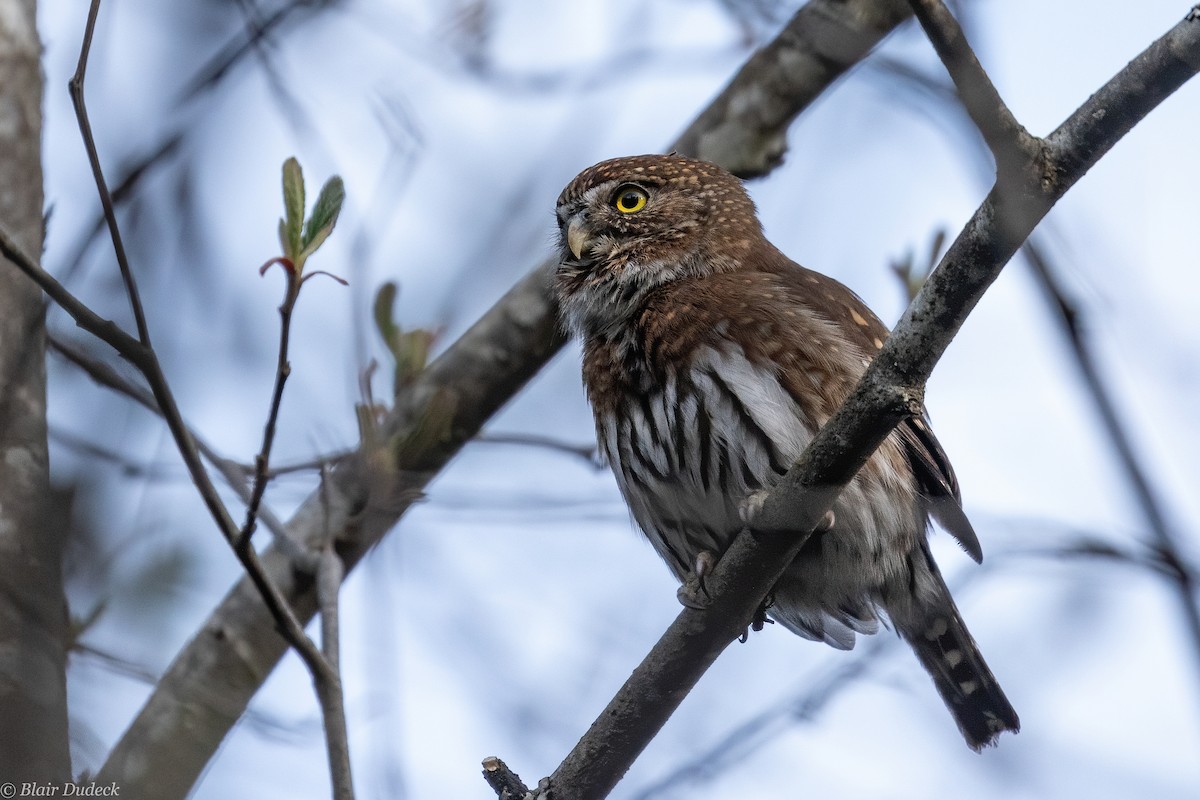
[{"x": 687, "y": 444}]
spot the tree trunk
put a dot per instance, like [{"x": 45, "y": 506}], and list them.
[{"x": 33, "y": 619}]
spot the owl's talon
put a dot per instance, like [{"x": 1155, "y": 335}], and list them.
[
  {"x": 760, "y": 618},
  {"x": 693, "y": 593},
  {"x": 750, "y": 507}
]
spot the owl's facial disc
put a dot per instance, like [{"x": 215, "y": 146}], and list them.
[{"x": 604, "y": 225}]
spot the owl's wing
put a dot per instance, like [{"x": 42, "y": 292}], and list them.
[
  {"x": 929, "y": 462},
  {"x": 938, "y": 484}
]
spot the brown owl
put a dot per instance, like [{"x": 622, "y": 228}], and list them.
[{"x": 710, "y": 360}]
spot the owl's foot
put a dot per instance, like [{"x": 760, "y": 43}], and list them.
[
  {"x": 760, "y": 618},
  {"x": 751, "y": 506},
  {"x": 693, "y": 593}
]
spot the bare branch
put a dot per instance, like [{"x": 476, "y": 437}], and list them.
[
  {"x": 890, "y": 390},
  {"x": 1008, "y": 140},
  {"x": 504, "y": 782},
  {"x": 1171, "y": 562},
  {"x": 89, "y": 143},
  {"x": 128, "y": 465},
  {"x": 234, "y": 474},
  {"x": 585, "y": 451},
  {"x": 333, "y": 703},
  {"x": 283, "y": 369},
  {"x": 745, "y": 128}
]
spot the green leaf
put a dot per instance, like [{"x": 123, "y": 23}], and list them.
[
  {"x": 293, "y": 204},
  {"x": 385, "y": 314},
  {"x": 412, "y": 354},
  {"x": 324, "y": 214},
  {"x": 311, "y": 246}
]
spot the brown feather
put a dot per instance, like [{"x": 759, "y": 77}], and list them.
[{"x": 710, "y": 360}]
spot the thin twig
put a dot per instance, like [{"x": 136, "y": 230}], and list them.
[
  {"x": 504, "y": 782},
  {"x": 1008, "y": 140},
  {"x": 317, "y": 462},
  {"x": 333, "y": 707},
  {"x": 236, "y": 49},
  {"x": 587, "y": 452},
  {"x": 85, "y": 128},
  {"x": 128, "y": 466},
  {"x": 1069, "y": 317},
  {"x": 235, "y": 474},
  {"x": 283, "y": 369}
]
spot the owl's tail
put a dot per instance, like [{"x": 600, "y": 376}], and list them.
[{"x": 945, "y": 648}]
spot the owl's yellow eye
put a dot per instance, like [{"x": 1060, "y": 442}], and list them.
[{"x": 630, "y": 199}]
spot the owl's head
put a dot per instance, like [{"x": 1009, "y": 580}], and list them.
[{"x": 630, "y": 225}]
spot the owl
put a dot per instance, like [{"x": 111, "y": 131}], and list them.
[{"x": 710, "y": 360}]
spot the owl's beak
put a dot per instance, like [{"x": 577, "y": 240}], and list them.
[{"x": 578, "y": 236}]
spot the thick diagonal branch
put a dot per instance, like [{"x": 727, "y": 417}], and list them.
[{"x": 745, "y": 128}]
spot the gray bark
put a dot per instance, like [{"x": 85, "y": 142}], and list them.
[{"x": 33, "y": 619}]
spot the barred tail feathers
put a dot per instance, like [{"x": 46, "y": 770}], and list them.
[{"x": 949, "y": 654}]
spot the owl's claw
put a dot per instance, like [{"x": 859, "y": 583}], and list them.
[
  {"x": 752, "y": 505},
  {"x": 760, "y": 618},
  {"x": 693, "y": 593}
]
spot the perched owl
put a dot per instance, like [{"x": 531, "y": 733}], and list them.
[{"x": 710, "y": 361}]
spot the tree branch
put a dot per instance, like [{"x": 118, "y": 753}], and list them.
[
  {"x": 890, "y": 390},
  {"x": 1169, "y": 559},
  {"x": 745, "y": 128},
  {"x": 233, "y": 473},
  {"x": 283, "y": 369},
  {"x": 1008, "y": 140},
  {"x": 504, "y": 782},
  {"x": 89, "y": 142},
  {"x": 33, "y": 626},
  {"x": 333, "y": 705}
]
